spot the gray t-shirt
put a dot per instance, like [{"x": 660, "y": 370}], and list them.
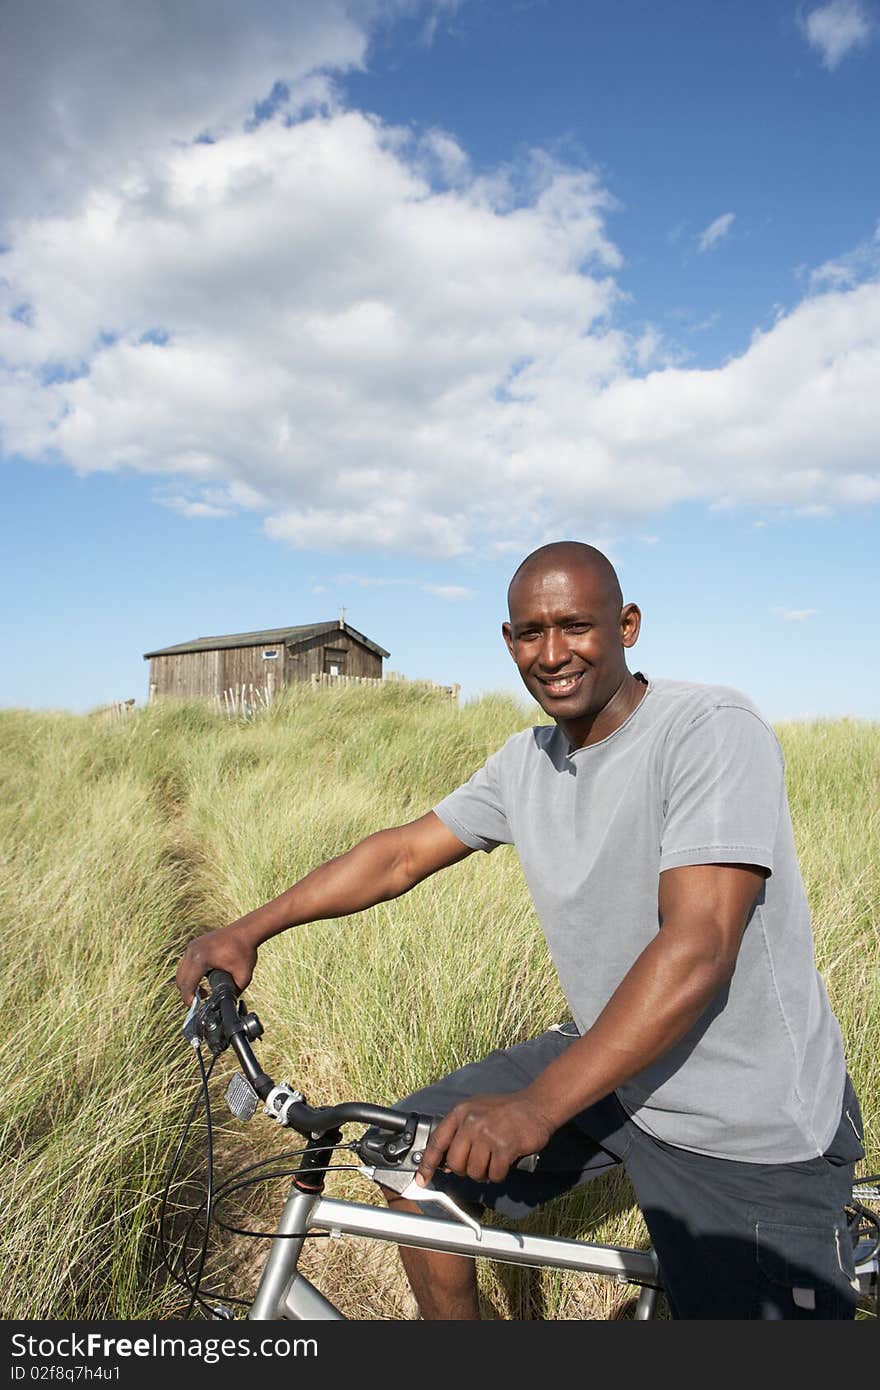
[{"x": 694, "y": 776}]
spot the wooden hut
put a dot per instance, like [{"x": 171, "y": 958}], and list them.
[{"x": 209, "y": 666}]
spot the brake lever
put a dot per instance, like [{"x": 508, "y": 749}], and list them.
[
  {"x": 404, "y": 1182},
  {"x": 192, "y": 1021}
]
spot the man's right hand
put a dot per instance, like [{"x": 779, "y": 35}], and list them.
[{"x": 223, "y": 949}]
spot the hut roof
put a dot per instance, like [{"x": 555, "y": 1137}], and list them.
[{"x": 291, "y": 637}]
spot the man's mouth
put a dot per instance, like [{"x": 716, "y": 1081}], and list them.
[{"x": 559, "y": 686}]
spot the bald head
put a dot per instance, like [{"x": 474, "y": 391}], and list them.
[{"x": 570, "y": 557}]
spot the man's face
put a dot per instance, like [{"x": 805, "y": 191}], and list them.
[{"x": 567, "y": 635}]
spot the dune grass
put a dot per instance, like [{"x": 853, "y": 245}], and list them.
[{"x": 119, "y": 842}]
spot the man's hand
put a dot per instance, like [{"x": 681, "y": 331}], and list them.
[
  {"x": 223, "y": 949},
  {"x": 482, "y": 1137}
]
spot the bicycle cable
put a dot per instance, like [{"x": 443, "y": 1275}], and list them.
[
  {"x": 175, "y": 1162},
  {"x": 193, "y": 1284},
  {"x": 232, "y": 1186},
  {"x": 238, "y": 1181},
  {"x": 182, "y": 1276}
]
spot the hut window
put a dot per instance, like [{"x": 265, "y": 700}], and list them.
[
  {"x": 271, "y": 655},
  {"x": 334, "y": 661}
]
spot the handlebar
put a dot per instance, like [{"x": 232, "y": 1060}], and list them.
[{"x": 223, "y": 1021}]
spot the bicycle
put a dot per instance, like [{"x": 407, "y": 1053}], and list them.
[{"x": 389, "y": 1154}]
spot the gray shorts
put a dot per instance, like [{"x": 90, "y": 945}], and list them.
[{"x": 734, "y": 1240}]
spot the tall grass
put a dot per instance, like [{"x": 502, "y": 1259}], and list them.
[
  {"x": 119, "y": 842},
  {"x": 94, "y": 905}
]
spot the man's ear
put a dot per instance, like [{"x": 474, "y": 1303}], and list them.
[
  {"x": 508, "y": 637},
  {"x": 630, "y": 624}
]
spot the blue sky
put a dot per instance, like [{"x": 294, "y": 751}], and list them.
[{"x": 353, "y": 304}]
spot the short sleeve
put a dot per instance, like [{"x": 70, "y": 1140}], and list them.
[
  {"x": 475, "y": 812},
  {"x": 724, "y": 783}
]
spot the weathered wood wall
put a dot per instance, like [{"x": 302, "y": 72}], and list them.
[
  {"x": 248, "y": 666},
  {"x": 186, "y": 676},
  {"x": 204, "y": 675},
  {"x": 310, "y": 660}
]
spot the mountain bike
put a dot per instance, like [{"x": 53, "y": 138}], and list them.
[{"x": 387, "y": 1153}]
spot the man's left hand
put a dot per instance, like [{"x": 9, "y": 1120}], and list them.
[{"x": 483, "y": 1136}]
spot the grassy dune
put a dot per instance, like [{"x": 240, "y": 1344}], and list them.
[{"x": 120, "y": 841}]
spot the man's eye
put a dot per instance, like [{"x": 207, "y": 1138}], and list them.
[
  {"x": 578, "y": 627},
  {"x": 528, "y": 636}
]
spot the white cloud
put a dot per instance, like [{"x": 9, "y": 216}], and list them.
[
  {"x": 90, "y": 89},
  {"x": 190, "y": 507},
  {"x": 307, "y": 320},
  {"x": 451, "y": 592},
  {"x": 813, "y": 509},
  {"x": 213, "y": 501},
  {"x": 452, "y": 161},
  {"x": 716, "y": 231},
  {"x": 836, "y": 29},
  {"x": 650, "y": 349},
  {"x": 455, "y": 593},
  {"x": 369, "y": 581},
  {"x": 296, "y": 311},
  {"x": 851, "y": 268},
  {"x": 795, "y": 615}
]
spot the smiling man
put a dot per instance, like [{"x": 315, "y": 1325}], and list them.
[
  {"x": 567, "y": 633},
  {"x": 653, "y": 828}
]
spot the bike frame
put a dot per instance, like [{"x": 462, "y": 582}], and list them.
[{"x": 284, "y": 1292}]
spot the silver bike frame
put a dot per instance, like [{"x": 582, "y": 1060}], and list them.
[{"x": 286, "y": 1293}]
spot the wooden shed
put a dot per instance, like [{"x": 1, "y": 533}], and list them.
[{"x": 209, "y": 666}]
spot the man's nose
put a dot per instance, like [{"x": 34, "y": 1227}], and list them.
[{"x": 555, "y": 649}]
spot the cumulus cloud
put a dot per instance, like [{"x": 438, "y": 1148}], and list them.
[
  {"x": 346, "y": 329},
  {"x": 90, "y": 90},
  {"x": 836, "y": 29},
  {"x": 715, "y": 232},
  {"x": 297, "y": 309}
]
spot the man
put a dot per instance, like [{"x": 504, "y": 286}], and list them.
[{"x": 654, "y": 833}]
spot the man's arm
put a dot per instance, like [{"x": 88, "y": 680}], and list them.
[
  {"x": 381, "y": 867},
  {"x": 704, "y": 909}
]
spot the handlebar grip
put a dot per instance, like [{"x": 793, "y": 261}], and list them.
[{"x": 221, "y": 983}]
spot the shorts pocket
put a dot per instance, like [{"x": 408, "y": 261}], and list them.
[{"x": 805, "y": 1271}]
